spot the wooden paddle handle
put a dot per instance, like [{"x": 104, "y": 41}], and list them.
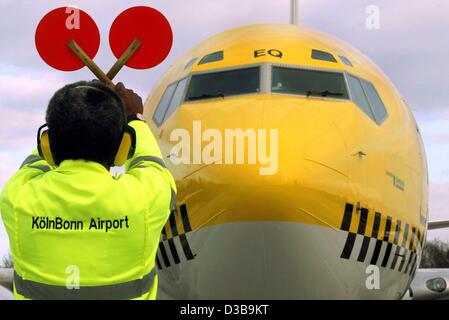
[
  {"x": 124, "y": 59},
  {"x": 79, "y": 52}
]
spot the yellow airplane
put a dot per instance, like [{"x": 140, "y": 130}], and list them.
[{"x": 301, "y": 171}]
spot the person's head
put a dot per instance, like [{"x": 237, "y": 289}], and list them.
[{"x": 85, "y": 121}]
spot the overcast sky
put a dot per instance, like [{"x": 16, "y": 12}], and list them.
[{"x": 411, "y": 46}]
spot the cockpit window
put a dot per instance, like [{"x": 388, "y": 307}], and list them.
[
  {"x": 224, "y": 84},
  {"x": 346, "y": 61},
  {"x": 163, "y": 104},
  {"x": 213, "y": 57},
  {"x": 359, "y": 97},
  {"x": 323, "y": 55},
  {"x": 177, "y": 98},
  {"x": 376, "y": 102},
  {"x": 366, "y": 97},
  {"x": 170, "y": 101},
  {"x": 310, "y": 83},
  {"x": 190, "y": 63}
]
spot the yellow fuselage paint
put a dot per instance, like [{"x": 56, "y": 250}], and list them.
[{"x": 320, "y": 168}]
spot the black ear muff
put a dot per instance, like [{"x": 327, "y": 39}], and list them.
[
  {"x": 43, "y": 145},
  {"x": 127, "y": 146}
]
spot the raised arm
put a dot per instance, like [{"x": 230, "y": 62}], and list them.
[{"x": 147, "y": 164}]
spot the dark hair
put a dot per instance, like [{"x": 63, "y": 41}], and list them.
[{"x": 85, "y": 121}]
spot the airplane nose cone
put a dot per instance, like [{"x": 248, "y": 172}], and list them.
[
  {"x": 265, "y": 139},
  {"x": 280, "y": 155},
  {"x": 307, "y": 136}
]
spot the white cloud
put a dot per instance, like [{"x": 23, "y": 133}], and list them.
[
  {"x": 434, "y": 127},
  {"x": 18, "y": 129},
  {"x": 29, "y": 86},
  {"x": 442, "y": 138}
]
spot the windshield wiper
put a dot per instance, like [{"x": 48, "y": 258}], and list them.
[
  {"x": 206, "y": 96},
  {"x": 324, "y": 93}
]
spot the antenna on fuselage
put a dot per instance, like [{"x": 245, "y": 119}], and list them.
[{"x": 294, "y": 17}]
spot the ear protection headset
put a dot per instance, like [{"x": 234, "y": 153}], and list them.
[
  {"x": 127, "y": 146},
  {"x": 125, "y": 150}
]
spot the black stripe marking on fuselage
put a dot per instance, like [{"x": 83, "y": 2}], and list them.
[
  {"x": 389, "y": 245},
  {"x": 404, "y": 245},
  {"x": 412, "y": 254},
  {"x": 164, "y": 234},
  {"x": 361, "y": 230},
  {"x": 396, "y": 240},
  {"x": 186, "y": 247},
  {"x": 176, "y": 233},
  {"x": 349, "y": 245},
  {"x": 174, "y": 252},
  {"x": 158, "y": 262},
  {"x": 347, "y": 217},
  {"x": 185, "y": 218},
  {"x": 408, "y": 246},
  {"x": 375, "y": 234},
  {"x": 174, "y": 229},
  {"x": 164, "y": 254}
]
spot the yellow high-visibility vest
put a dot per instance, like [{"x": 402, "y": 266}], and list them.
[{"x": 78, "y": 232}]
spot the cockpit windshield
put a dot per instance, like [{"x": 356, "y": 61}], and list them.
[
  {"x": 224, "y": 84},
  {"x": 309, "y": 83}
]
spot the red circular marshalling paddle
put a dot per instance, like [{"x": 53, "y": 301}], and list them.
[
  {"x": 147, "y": 25},
  {"x": 60, "y": 26}
]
